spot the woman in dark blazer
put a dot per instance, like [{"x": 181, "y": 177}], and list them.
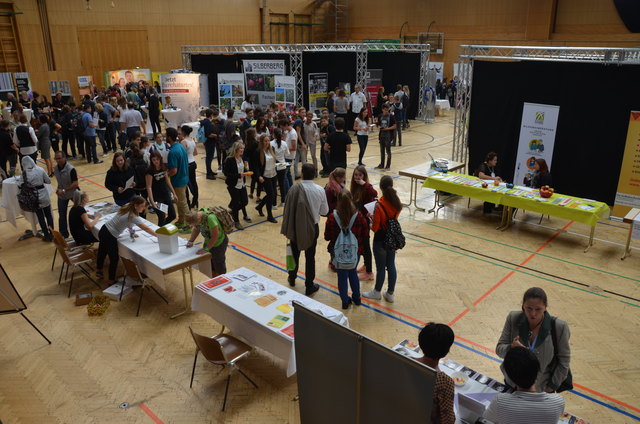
[{"x": 234, "y": 168}]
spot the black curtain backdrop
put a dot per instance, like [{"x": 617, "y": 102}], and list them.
[
  {"x": 595, "y": 101},
  {"x": 398, "y": 68}
]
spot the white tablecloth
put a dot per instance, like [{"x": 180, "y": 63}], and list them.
[
  {"x": 233, "y": 305},
  {"x": 173, "y": 117},
  {"x": 147, "y": 122},
  {"x": 443, "y": 104},
  {"x": 195, "y": 126},
  {"x": 9, "y": 202},
  {"x": 145, "y": 252}
]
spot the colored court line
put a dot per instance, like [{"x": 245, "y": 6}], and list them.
[
  {"x": 509, "y": 275},
  {"x": 150, "y": 413},
  {"x": 278, "y": 265}
]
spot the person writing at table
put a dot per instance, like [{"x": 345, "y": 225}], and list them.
[
  {"x": 533, "y": 328},
  {"x": 80, "y": 223},
  {"x": 541, "y": 175},
  {"x": 116, "y": 180},
  {"x": 215, "y": 240},
  {"x": 127, "y": 217},
  {"x": 487, "y": 171}
]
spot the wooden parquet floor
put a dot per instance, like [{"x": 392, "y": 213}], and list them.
[{"x": 455, "y": 269}]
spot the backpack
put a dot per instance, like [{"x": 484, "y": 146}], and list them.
[
  {"x": 28, "y": 196},
  {"x": 345, "y": 250},
  {"x": 393, "y": 237},
  {"x": 224, "y": 217},
  {"x": 76, "y": 123},
  {"x": 200, "y": 137}
]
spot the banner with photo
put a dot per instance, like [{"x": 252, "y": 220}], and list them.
[
  {"x": 184, "y": 90},
  {"x": 318, "y": 90},
  {"x": 85, "y": 84},
  {"x": 23, "y": 83},
  {"x": 123, "y": 77},
  {"x": 230, "y": 90},
  {"x": 62, "y": 87},
  {"x": 628, "y": 192},
  {"x": 285, "y": 91},
  {"x": 260, "y": 79},
  {"x": 537, "y": 139}
]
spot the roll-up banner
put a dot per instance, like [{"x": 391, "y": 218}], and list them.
[
  {"x": 184, "y": 90},
  {"x": 230, "y": 90},
  {"x": 318, "y": 89},
  {"x": 628, "y": 192},
  {"x": 285, "y": 90},
  {"x": 537, "y": 138},
  {"x": 260, "y": 79},
  {"x": 23, "y": 83}
]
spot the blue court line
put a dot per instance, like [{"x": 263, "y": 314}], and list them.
[{"x": 613, "y": 408}]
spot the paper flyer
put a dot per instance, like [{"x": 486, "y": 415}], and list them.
[
  {"x": 288, "y": 331},
  {"x": 265, "y": 301},
  {"x": 278, "y": 321},
  {"x": 213, "y": 283}
]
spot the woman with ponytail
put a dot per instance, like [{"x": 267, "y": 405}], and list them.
[{"x": 389, "y": 206}]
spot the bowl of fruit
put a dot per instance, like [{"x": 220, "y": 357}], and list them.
[{"x": 546, "y": 191}]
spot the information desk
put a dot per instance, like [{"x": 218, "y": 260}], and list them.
[
  {"x": 144, "y": 251},
  {"x": 420, "y": 173},
  {"x": 629, "y": 218},
  {"x": 479, "y": 387},
  {"x": 9, "y": 202},
  {"x": 258, "y": 310}
]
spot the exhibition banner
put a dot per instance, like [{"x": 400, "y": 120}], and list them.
[
  {"x": 230, "y": 90},
  {"x": 374, "y": 82},
  {"x": 85, "y": 85},
  {"x": 537, "y": 139},
  {"x": 318, "y": 89},
  {"x": 285, "y": 92},
  {"x": 438, "y": 67},
  {"x": 63, "y": 87},
  {"x": 628, "y": 192},
  {"x": 260, "y": 79},
  {"x": 123, "y": 77},
  {"x": 346, "y": 86},
  {"x": 184, "y": 90},
  {"x": 23, "y": 83}
]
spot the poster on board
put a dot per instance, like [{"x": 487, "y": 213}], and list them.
[
  {"x": 346, "y": 86},
  {"x": 260, "y": 79},
  {"x": 374, "y": 82},
  {"x": 318, "y": 89},
  {"x": 230, "y": 90},
  {"x": 62, "y": 87},
  {"x": 85, "y": 85},
  {"x": 285, "y": 92},
  {"x": 438, "y": 67},
  {"x": 537, "y": 139},
  {"x": 6, "y": 81},
  {"x": 123, "y": 77},
  {"x": 184, "y": 90},
  {"x": 628, "y": 192},
  {"x": 23, "y": 83}
]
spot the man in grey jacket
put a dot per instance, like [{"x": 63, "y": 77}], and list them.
[
  {"x": 67, "y": 178},
  {"x": 304, "y": 205}
]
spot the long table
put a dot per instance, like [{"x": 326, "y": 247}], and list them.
[
  {"x": 145, "y": 252},
  {"x": 562, "y": 206},
  {"x": 257, "y": 309},
  {"x": 420, "y": 173},
  {"x": 479, "y": 387}
]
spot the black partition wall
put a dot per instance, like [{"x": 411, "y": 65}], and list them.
[{"x": 594, "y": 99}]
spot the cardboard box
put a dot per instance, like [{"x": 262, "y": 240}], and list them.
[
  {"x": 113, "y": 291},
  {"x": 83, "y": 298}
]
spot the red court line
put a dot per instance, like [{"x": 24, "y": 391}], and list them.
[
  {"x": 457, "y": 337},
  {"x": 92, "y": 182},
  {"x": 150, "y": 413},
  {"x": 510, "y": 274}
]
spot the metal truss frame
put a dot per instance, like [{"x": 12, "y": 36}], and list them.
[
  {"x": 295, "y": 57},
  {"x": 470, "y": 53}
]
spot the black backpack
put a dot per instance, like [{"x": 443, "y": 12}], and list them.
[
  {"x": 393, "y": 237},
  {"x": 76, "y": 123},
  {"x": 28, "y": 195}
]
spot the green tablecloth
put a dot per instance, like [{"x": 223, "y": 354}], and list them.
[{"x": 575, "y": 209}]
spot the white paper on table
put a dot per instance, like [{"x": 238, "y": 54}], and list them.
[
  {"x": 130, "y": 183},
  {"x": 162, "y": 207},
  {"x": 635, "y": 232},
  {"x": 371, "y": 206}
]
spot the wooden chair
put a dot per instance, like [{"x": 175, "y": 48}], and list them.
[
  {"x": 80, "y": 258},
  {"x": 222, "y": 350},
  {"x": 69, "y": 244},
  {"x": 131, "y": 270}
]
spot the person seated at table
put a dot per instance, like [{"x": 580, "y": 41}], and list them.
[
  {"x": 487, "y": 171},
  {"x": 116, "y": 180},
  {"x": 541, "y": 175},
  {"x": 526, "y": 405},
  {"x": 80, "y": 223},
  {"x": 531, "y": 327},
  {"x": 435, "y": 340},
  {"x": 167, "y": 103},
  {"x": 215, "y": 240},
  {"x": 127, "y": 217}
]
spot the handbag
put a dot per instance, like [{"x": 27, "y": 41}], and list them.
[
  {"x": 567, "y": 384},
  {"x": 28, "y": 196}
]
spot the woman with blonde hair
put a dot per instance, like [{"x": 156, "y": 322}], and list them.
[
  {"x": 267, "y": 176},
  {"x": 79, "y": 221}
]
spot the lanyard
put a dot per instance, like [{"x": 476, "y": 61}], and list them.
[{"x": 533, "y": 343}]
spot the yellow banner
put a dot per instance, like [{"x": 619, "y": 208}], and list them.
[{"x": 628, "y": 193}]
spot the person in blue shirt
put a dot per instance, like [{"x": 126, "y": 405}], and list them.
[
  {"x": 178, "y": 170},
  {"x": 110, "y": 135},
  {"x": 89, "y": 134}
]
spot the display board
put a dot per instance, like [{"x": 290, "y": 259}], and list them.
[
  {"x": 62, "y": 87},
  {"x": 342, "y": 368},
  {"x": 230, "y": 90},
  {"x": 186, "y": 92},
  {"x": 260, "y": 79},
  {"x": 85, "y": 85},
  {"x": 23, "y": 83},
  {"x": 123, "y": 77},
  {"x": 537, "y": 139},
  {"x": 628, "y": 192},
  {"x": 6, "y": 81},
  {"x": 318, "y": 90},
  {"x": 10, "y": 300},
  {"x": 438, "y": 67},
  {"x": 285, "y": 89}
]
